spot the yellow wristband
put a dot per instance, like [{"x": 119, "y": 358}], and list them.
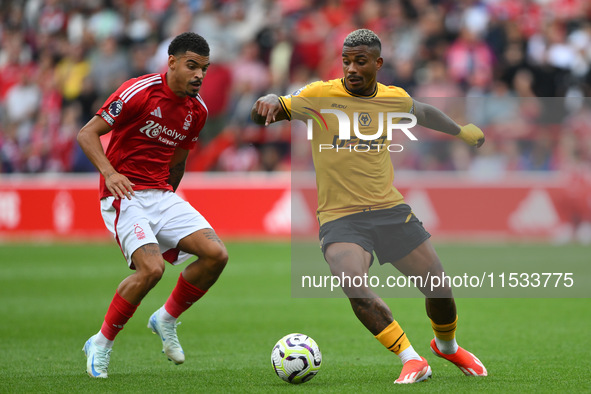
[{"x": 471, "y": 134}]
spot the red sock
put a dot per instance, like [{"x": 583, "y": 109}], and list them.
[
  {"x": 183, "y": 296},
  {"x": 117, "y": 315}
]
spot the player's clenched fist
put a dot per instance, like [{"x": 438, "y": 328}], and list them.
[{"x": 472, "y": 135}]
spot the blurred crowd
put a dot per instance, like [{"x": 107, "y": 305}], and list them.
[{"x": 60, "y": 60}]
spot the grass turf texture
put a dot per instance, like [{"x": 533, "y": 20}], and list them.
[{"x": 54, "y": 297}]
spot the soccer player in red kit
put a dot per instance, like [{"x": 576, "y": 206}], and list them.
[{"x": 154, "y": 121}]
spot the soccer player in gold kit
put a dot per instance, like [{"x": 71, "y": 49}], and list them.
[{"x": 360, "y": 211}]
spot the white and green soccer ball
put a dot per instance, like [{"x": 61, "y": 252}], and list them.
[{"x": 296, "y": 358}]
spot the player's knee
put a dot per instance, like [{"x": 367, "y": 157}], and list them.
[
  {"x": 357, "y": 292},
  {"x": 334, "y": 255},
  {"x": 445, "y": 293},
  {"x": 217, "y": 255},
  {"x": 151, "y": 274},
  {"x": 441, "y": 291},
  {"x": 343, "y": 263},
  {"x": 222, "y": 257}
]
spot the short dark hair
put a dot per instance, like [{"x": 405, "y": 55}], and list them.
[
  {"x": 188, "y": 41},
  {"x": 363, "y": 37}
]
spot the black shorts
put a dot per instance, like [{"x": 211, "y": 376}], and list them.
[{"x": 392, "y": 233}]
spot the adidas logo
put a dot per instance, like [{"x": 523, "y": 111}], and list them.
[{"x": 157, "y": 112}]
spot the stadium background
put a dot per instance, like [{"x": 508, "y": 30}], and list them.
[{"x": 60, "y": 59}]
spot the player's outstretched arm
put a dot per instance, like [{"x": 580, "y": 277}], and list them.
[
  {"x": 433, "y": 118},
  {"x": 89, "y": 140},
  {"x": 267, "y": 110}
]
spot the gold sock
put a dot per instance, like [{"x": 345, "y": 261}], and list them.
[
  {"x": 445, "y": 332},
  {"x": 393, "y": 338}
]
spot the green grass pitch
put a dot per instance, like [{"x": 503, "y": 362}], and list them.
[{"x": 53, "y": 297}]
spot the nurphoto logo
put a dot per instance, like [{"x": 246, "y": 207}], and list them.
[{"x": 360, "y": 128}]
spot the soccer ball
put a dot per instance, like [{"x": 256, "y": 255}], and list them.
[{"x": 296, "y": 358}]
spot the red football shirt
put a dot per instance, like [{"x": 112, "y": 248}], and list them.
[{"x": 148, "y": 123}]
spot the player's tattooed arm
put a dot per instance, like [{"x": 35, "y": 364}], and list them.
[
  {"x": 176, "y": 174},
  {"x": 177, "y": 167}
]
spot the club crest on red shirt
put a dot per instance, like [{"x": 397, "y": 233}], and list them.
[{"x": 188, "y": 120}]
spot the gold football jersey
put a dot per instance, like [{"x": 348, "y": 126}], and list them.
[{"x": 351, "y": 144}]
